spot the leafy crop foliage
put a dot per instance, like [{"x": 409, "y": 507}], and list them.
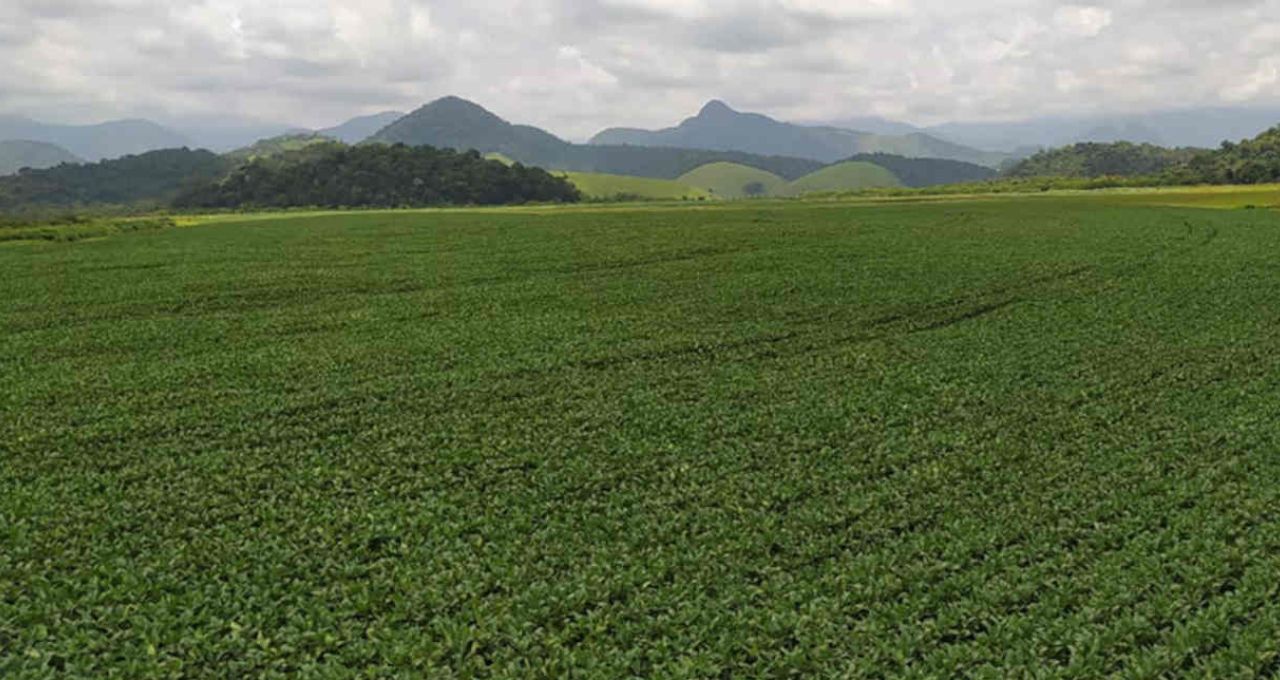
[
  {"x": 379, "y": 176},
  {"x": 151, "y": 178},
  {"x": 1025, "y": 437}
]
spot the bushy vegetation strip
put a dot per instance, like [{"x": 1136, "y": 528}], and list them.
[{"x": 1007, "y": 438}]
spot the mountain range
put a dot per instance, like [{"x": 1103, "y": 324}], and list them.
[
  {"x": 719, "y": 127},
  {"x": 94, "y": 142},
  {"x": 1205, "y": 127},
  {"x": 717, "y": 134},
  {"x": 456, "y": 123}
]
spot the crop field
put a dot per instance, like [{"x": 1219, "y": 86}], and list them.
[{"x": 1009, "y": 437}]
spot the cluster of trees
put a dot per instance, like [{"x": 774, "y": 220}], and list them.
[
  {"x": 1091, "y": 159},
  {"x": 152, "y": 178},
  {"x": 377, "y": 176},
  {"x": 927, "y": 172},
  {"x": 1253, "y": 161}
]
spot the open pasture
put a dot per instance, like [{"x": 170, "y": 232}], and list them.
[{"x": 1001, "y": 438}]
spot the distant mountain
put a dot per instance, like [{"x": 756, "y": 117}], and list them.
[
  {"x": 18, "y": 154},
  {"x": 221, "y": 136},
  {"x": 1202, "y": 127},
  {"x": 95, "y": 142},
  {"x": 719, "y": 127},
  {"x": 361, "y": 128},
  {"x": 459, "y": 124}
]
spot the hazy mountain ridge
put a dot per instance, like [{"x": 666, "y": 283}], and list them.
[
  {"x": 111, "y": 139},
  {"x": 1197, "y": 127},
  {"x": 360, "y": 128},
  {"x": 719, "y": 127},
  {"x": 16, "y": 154}
]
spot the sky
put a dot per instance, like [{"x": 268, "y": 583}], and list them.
[{"x": 577, "y": 66}]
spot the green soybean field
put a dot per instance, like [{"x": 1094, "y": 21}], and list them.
[{"x": 992, "y": 438}]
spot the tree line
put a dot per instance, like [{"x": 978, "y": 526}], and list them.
[
  {"x": 1252, "y": 161},
  {"x": 381, "y": 176}
]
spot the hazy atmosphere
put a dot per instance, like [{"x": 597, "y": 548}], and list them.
[{"x": 576, "y": 67}]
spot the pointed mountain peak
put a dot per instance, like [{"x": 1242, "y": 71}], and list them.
[
  {"x": 452, "y": 105},
  {"x": 715, "y": 107}
]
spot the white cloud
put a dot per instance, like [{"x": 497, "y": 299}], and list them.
[
  {"x": 575, "y": 66},
  {"x": 1082, "y": 20}
]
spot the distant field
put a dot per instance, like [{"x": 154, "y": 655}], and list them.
[
  {"x": 600, "y": 186},
  {"x": 995, "y": 437}
]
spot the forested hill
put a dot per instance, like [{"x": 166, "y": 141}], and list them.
[
  {"x": 927, "y": 172},
  {"x": 1119, "y": 159},
  {"x": 1253, "y": 161},
  {"x": 385, "y": 176},
  {"x": 154, "y": 177}
]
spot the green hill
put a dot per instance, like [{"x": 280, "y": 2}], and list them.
[
  {"x": 602, "y": 186},
  {"x": 732, "y": 180},
  {"x": 18, "y": 154},
  {"x": 848, "y": 176},
  {"x": 379, "y": 176}
]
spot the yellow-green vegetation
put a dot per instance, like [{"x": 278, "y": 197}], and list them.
[
  {"x": 608, "y": 187},
  {"x": 501, "y": 158},
  {"x": 76, "y": 228},
  {"x": 281, "y": 145},
  {"x": 732, "y": 180},
  {"x": 847, "y": 176},
  {"x": 999, "y": 438}
]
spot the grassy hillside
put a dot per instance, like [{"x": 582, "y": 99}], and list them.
[
  {"x": 995, "y": 439},
  {"x": 731, "y": 180},
  {"x": 848, "y": 176},
  {"x": 283, "y": 144},
  {"x": 600, "y": 186}
]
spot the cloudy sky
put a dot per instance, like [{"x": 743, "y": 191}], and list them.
[{"x": 575, "y": 66}]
